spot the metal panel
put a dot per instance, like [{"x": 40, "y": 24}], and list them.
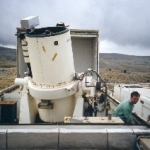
[
  {"x": 141, "y": 131},
  {"x": 83, "y": 139},
  {"x": 82, "y": 53},
  {"x": 3, "y": 138},
  {"x": 21, "y": 65},
  {"x": 32, "y": 138},
  {"x": 121, "y": 139}
]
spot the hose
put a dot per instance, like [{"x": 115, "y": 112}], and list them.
[{"x": 99, "y": 79}]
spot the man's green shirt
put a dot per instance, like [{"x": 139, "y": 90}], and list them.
[{"x": 124, "y": 111}]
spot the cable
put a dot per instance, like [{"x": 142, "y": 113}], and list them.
[{"x": 92, "y": 72}]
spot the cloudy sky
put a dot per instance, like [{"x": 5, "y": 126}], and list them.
[{"x": 124, "y": 25}]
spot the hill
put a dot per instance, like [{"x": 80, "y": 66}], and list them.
[
  {"x": 124, "y": 68},
  {"x": 112, "y": 67},
  {"x": 124, "y": 62},
  {"x": 7, "y": 57}
]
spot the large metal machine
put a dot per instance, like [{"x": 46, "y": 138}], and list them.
[
  {"x": 53, "y": 87},
  {"x": 59, "y": 100}
]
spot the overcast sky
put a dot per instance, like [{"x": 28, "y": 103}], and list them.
[{"x": 124, "y": 25}]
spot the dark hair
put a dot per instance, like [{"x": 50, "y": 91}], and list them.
[{"x": 135, "y": 93}]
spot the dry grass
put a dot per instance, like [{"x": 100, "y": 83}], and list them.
[
  {"x": 7, "y": 77},
  {"x": 111, "y": 67},
  {"x": 115, "y": 76}
]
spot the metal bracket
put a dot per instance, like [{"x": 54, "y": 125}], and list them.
[{"x": 45, "y": 104}]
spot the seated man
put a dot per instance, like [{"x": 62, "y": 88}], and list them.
[{"x": 125, "y": 108}]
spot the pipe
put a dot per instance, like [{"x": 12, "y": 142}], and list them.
[{"x": 20, "y": 81}]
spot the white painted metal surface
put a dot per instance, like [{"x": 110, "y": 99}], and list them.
[
  {"x": 28, "y": 108},
  {"x": 82, "y": 46},
  {"x": 30, "y": 22},
  {"x": 53, "y": 70},
  {"x": 61, "y": 107},
  {"x": 49, "y": 93},
  {"x": 25, "y": 50},
  {"x": 51, "y": 64},
  {"x": 85, "y": 48}
]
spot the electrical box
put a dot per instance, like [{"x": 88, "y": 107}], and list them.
[
  {"x": 8, "y": 111},
  {"x": 29, "y": 22}
]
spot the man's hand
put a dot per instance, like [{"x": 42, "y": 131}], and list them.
[{"x": 132, "y": 122}]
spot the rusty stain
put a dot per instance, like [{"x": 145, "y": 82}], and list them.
[
  {"x": 60, "y": 83},
  {"x": 44, "y": 49},
  {"x": 88, "y": 121},
  {"x": 54, "y": 56},
  {"x": 67, "y": 119}
]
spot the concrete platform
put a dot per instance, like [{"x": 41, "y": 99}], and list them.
[
  {"x": 104, "y": 137},
  {"x": 83, "y": 138},
  {"x": 3, "y": 138}
]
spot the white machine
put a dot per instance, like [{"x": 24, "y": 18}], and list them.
[{"x": 52, "y": 82}]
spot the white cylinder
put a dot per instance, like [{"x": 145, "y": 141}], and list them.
[
  {"x": 20, "y": 81},
  {"x": 52, "y": 65},
  {"x": 51, "y": 59},
  {"x": 61, "y": 108}
]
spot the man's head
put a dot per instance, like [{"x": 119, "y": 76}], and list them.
[{"x": 135, "y": 97}]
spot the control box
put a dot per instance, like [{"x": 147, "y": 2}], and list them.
[{"x": 30, "y": 22}]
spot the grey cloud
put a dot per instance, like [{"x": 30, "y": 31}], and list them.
[{"x": 122, "y": 22}]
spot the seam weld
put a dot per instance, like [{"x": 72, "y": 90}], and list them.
[{"x": 54, "y": 56}]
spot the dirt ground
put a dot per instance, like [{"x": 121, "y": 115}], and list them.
[{"x": 115, "y": 76}]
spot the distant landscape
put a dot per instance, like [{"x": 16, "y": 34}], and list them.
[
  {"x": 7, "y": 57},
  {"x": 125, "y": 62},
  {"x": 114, "y": 68},
  {"x": 8, "y": 65},
  {"x": 119, "y": 68}
]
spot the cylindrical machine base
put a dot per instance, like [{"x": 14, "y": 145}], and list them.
[{"x": 61, "y": 108}]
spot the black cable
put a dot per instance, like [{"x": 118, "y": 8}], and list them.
[{"x": 105, "y": 92}]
